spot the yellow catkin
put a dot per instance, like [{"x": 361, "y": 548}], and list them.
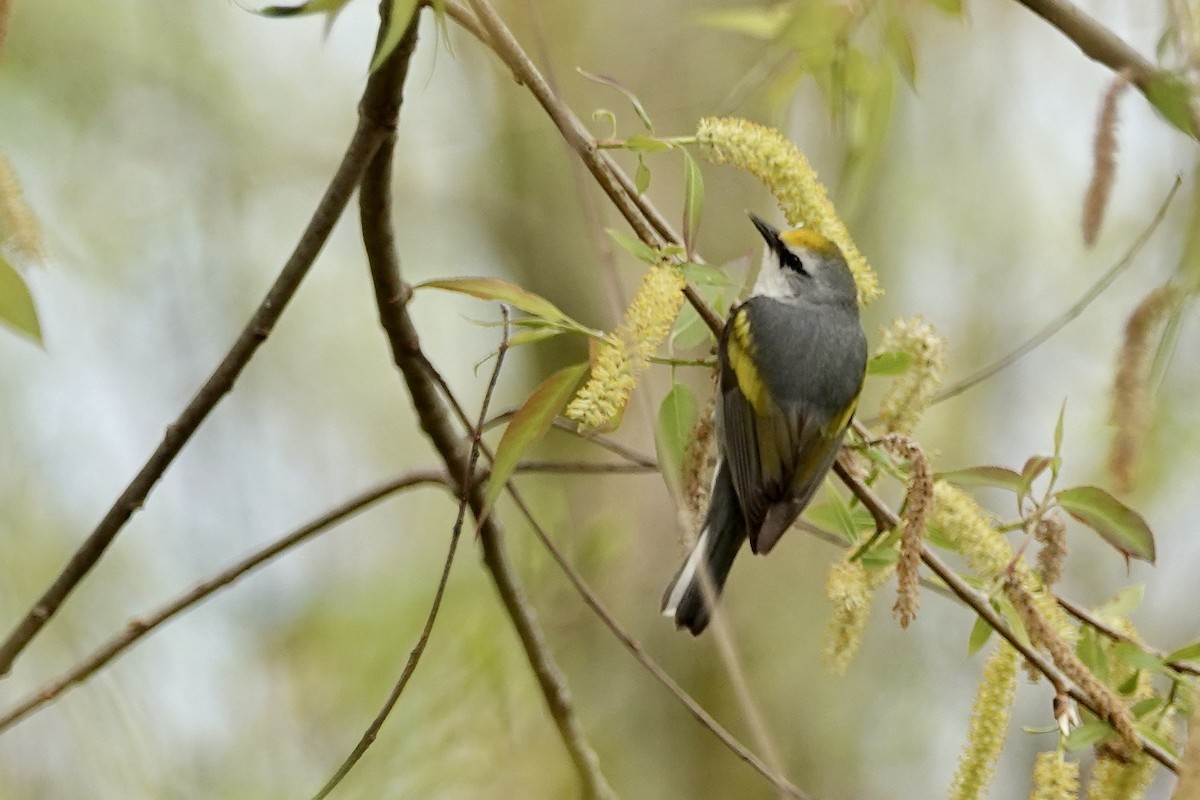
[
  {"x": 911, "y": 393},
  {"x": 768, "y": 155},
  {"x": 624, "y": 356},
  {"x": 989, "y": 725},
  {"x": 850, "y": 588},
  {"x": 988, "y": 553},
  {"x": 18, "y": 227},
  {"x": 1055, "y": 778},
  {"x": 1114, "y": 779}
]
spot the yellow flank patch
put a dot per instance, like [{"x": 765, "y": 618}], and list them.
[
  {"x": 739, "y": 349},
  {"x": 836, "y": 425},
  {"x": 808, "y": 239}
]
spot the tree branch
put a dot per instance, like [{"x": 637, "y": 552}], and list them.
[
  {"x": 373, "y": 124},
  {"x": 1096, "y": 41},
  {"x": 391, "y": 295},
  {"x": 138, "y": 628}
]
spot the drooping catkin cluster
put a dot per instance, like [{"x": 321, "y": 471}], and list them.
[
  {"x": 1131, "y": 393},
  {"x": 1055, "y": 778},
  {"x": 910, "y": 394},
  {"x": 917, "y": 503},
  {"x": 989, "y": 725},
  {"x": 989, "y": 554},
  {"x": 622, "y": 358},
  {"x": 18, "y": 227},
  {"x": 1104, "y": 155},
  {"x": 768, "y": 155},
  {"x": 1046, "y": 638},
  {"x": 850, "y": 587},
  {"x": 698, "y": 464},
  {"x": 1051, "y": 534}
]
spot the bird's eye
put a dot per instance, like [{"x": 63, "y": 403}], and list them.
[{"x": 789, "y": 259}]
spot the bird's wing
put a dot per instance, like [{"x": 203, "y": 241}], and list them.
[{"x": 780, "y": 439}]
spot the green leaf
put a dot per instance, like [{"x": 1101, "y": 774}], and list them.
[
  {"x": 1091, "y": 653},
  {"x": 1147, "y": 706},
  {"x": 1172, "y": 97},
  {"x": 1190, "y": 652},
  {"x": 311, "y": 7},
  {"x": 613, "y": 83},
  {"x": 898, "y": 40},
  {"x": 693, "y": 200},
  {"x": 1117, "y": 524},
  {"x": 835, "y": 516},
  {"x": 1009, "y": 612},
  {"x": 704, "y": 274},
  {"x": 634, "y": 246},
  {"x": 893, "y": 362},
  {"x": 1058, "y": 430},
  {"x": 1089, "y": 733},
  {"x": 974, "y": 477},
  {"x": 759, "y": 23},
  {"x": 502, "y": 291},
  {"x": 16, "y": 303},
  {"x": 676, "y": 421},
  {"x": 645, "y": 144},
  {"x": 530, "y": 423},
  {"x": 641, "y": 178},
  {"x": 1034, "y": 466},
  {"x": 1136, "y": 657},
  {"x": 402, "y": 11},
  {"x": 879, "y": 557},
  {"x": 533, "y": 335},
  {"x": 1123, "y": 603},
  {"x": 981, "y": 631}
]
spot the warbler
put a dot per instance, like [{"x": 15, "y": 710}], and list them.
[{"x": 792, "y": 360}]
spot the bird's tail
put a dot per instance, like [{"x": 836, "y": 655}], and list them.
[{"x": 718, "y": 544}]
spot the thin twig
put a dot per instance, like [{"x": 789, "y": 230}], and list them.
[
  {"x": 585, "y": 468},
  {"x": 608, "y": 443},
  {"x": 368, "y": 136},
  {"x": 1059, "y": 322},
  {"x": 136, "y": 629},
  {"x": 1104, "y": 629},
  {"x": 391, "y": 295},
  {"x": 414, "y": 655},
  {"x": 638, "y": 652}
]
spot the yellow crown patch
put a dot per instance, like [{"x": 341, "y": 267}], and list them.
[{"x": 808, "y": 239}]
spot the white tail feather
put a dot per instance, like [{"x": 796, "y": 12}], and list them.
[{"x": 687, "y": 574}]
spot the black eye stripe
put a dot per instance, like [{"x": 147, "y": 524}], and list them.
[{"x": 790, "y": 259}]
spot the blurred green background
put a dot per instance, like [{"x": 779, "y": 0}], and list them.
[{"x": 173, "y": 153}]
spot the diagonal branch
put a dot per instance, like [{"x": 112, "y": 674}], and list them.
[
  {"x": 141, "y": 627},
  {"x": 1096, "y": 41},
  {"x": 372, "y": 130},
  {"x": 391, "y": 295}
]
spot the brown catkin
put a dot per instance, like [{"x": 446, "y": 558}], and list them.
[
  {"x": 917, "y": 503},
  {"x": 1051, "y": 534},
  {"x": 1043, "y": 636},
  {"x": 1131, "y": 395},
  {"x": 698, "y": 463},
  {"x": 1104, "y": 156}
]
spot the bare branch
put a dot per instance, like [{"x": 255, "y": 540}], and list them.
[
  {"x": 391, "y": 295},
  {"x": 139, "y": 628},
  {"x": 1096, "y": 41}
]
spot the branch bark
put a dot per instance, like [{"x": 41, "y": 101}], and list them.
[{"x": 391, "y": 295}]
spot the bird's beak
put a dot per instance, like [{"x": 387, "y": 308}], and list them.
[{"x": 769, "y": 232}]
